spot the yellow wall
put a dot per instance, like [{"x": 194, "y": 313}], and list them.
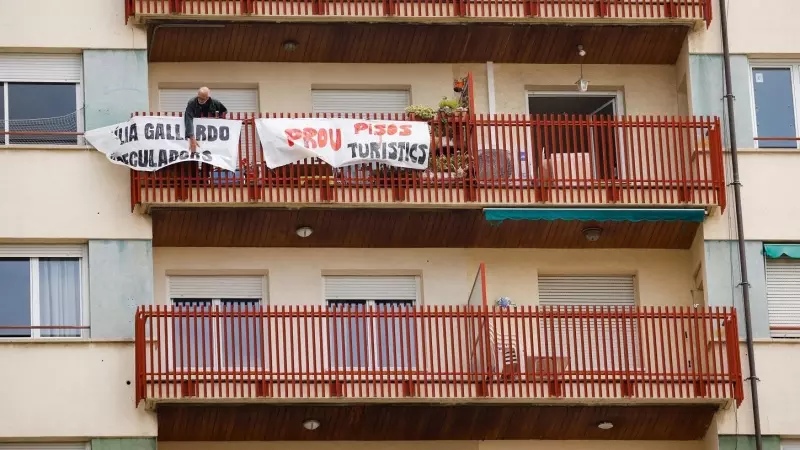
[
  {"x": 73, "y": 24},
  {"x": 66, "y": 194},
  {"x": 286, "y": 87},
  {"x": 70, "y": 390},
  {"x": 295, "y": 275},
  {"x": 438, "y": 445}
]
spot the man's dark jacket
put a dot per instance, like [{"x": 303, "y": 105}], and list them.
[{"x": 194, "y": 109}]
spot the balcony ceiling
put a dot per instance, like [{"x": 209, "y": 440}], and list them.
[
  {"x": 421, "y": 43},
  {"x": 431, "y": 422},
  {"x": 399, "y": 228}
]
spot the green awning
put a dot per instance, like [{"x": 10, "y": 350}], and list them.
[
  {"x": 595, "y": 214},
  {"x": 779, "y": 250}
]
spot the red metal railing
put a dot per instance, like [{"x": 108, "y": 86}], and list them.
[
  {"x": 485, "y": 159},
  {"x": 508, "y": 9},
  {"x": 437, "y": 352}
]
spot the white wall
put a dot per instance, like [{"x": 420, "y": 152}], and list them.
[
  {"x": 56, "y": 390},
  {"x": 438, "y": 445},
  {"x": 778, "y": 391},
  {"x": 754, "y": 26},
  {"x": 72, "y": 24},
  {"x": 70, "y": 194}
]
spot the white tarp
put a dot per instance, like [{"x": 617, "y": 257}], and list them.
[
  {"x": 149, "y": 143},
  {"x": 343, "y": 142}
]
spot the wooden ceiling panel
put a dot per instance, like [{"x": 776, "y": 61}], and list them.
[
  {"x": 431, "y": 422},
  {"x": 421, "y": 43},
  {"x": 403, "y": 228}
]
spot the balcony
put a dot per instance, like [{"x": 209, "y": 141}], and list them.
[
  {"x": 572, "y": 366},
  {"x": 598, "y": 11},
  {"x": 479, "y": 161}
]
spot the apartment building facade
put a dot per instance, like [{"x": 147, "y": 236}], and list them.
[{"x": 310, "y": 307}]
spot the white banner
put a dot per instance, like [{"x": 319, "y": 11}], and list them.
[
  {"x": 149, "y": 143},
  {"x": 343, "y": 142}
]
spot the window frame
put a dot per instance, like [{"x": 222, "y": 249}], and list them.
[
  {"x": 794, "y": 67},
  {"x": 370, "y": 346},
  {"x": 79, "y": 122},
  {"x": 33, "y": 254}
]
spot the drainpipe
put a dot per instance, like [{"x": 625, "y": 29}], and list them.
[{"x": 737, "y": 202}]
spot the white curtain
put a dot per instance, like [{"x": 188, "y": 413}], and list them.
[{"x": 60, "y": 296}]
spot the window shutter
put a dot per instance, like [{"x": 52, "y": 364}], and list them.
[
  {"x": 587, "y": 291},
  {"x": 783, "y": 296},
  {"x": 359, "y": 101},
  {"x": 45, "y": 446},
  {"x": 598, "y": 336},
  {"x": 20, "y": 67},
  {"x": 236, "y": 100},
  {"x": 42, "y": 251},
  {"x": 216, "y": 287},
  {"x": 371, "y": 288}
]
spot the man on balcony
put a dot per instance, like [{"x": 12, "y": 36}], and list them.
[{"x": 200, "y": 106}]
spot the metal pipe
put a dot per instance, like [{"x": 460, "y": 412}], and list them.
[{"x": 737, "y": 202}]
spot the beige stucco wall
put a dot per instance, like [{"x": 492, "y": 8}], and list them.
[
  {"x": 286, "y": 87},
  {"x": 70, "y": 390},
  {"x": 646, "y": 89},
  {"x": 769, "y": 198},
  {"x": 755, "y": 27},
  {"x": 66, "y": 194},
  {"x": 664, "y": 277},
  {"x": 438, "y": 445},
  {"x": 778, "y": 391},
  {"x": 73, "y": 24}
]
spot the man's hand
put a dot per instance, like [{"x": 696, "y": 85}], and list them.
[{"x": 192, "y": 144}]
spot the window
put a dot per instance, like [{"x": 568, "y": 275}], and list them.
[
  {"x": 40, "y": 93},
  {"x": 598, "y": 347},
  {"x": 774, "y": 105},
  {"x": 215, "y": 323},
  {"x": 42, "y": 296},
  {"x": 783, "y": 297},
  {"x": 588, "y": 152},
  {"x": 381, "y": 341},
  {"x": 359, "y": 101}
]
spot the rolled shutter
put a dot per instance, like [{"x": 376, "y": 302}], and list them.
[
  {"x": 598, "y": 345},
  {"x": 359, "y": 101},
  {"x": 30, "y": 68},
  {"x": 216, "y": 287},
  {"x": 371, "y": 288},
  {"x": 236, "y": 100},
  {"x": 783, "y": 296},
  {"x": 587, "y": 291},
  {"x": 42, "y": 251},
  {"x": 45, "y": 446}
]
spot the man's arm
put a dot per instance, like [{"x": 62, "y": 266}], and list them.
[
  {"x": 221, "y": 108},
  {"x": 188, "y": 119}
]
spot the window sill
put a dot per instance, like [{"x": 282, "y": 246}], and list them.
[
  {"x": 46, "y": 147},
  {"x": 773, "y": 341},
  {"x": 766, "y": 151},
  {"x": 63, "y": 341}
]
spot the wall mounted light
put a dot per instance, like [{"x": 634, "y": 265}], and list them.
[
  {"x": 304, "y": 232},
  {"x": 289, "y": 45},
  {"x": 605, "y": 425},
  {"x": 592, "y": 234},
  {"x": 311, "y": 424},
  {"x": 583, "y": 85}
]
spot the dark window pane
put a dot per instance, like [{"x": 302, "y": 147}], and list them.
[
  {"x": 15, "y": 297},
  {"x": 192, "y": 332},
  {"x": 2, "y": 112},
  {"x": 774, "y": 107},
  {"x": 45, "y": 107}
]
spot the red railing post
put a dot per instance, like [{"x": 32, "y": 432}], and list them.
[
  {"x": 708, "y": 13},
  {"x": 247, "y": 6}
]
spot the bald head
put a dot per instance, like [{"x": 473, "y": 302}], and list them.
[{"x": 203, "y": 94}]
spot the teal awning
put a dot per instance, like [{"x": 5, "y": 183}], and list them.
[
  {"x": 779, "y": 250},
  {"x": 594, "y": 214}
]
